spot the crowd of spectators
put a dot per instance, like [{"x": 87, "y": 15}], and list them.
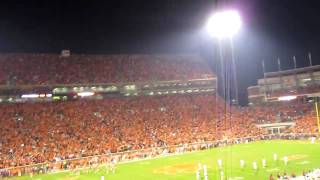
[
  {"x": 42, "y": 132},
  {"x": 33, "y": 133},
  {"x": 298, "y": 111},
  {"x": 306, "y": 124},
  {"x": 275, "y": 112},
  {"x": 44, "y": 69}
]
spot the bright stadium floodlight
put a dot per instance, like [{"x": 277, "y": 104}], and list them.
[
  {"x": 287, "y": 98},
  {"x": 224, "y": 24},
  {"x": 84, "y": 94},
  {"x": 30, "y": 96}
]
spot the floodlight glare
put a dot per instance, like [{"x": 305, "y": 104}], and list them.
[
  {"x": 287, "y": 98},
  {"x": 30, "y": 96},
  {"x": 84, "y": 94},
  {"x": 224, "y": 24}
]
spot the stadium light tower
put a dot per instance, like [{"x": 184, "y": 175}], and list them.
[{"x": 224, "y": 24}]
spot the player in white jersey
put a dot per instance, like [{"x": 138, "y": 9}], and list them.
[
  {"x": 205, "y": 172},
  {"x": 219, "y": 163},
  {"x": 285, "y": 160},
  {"x": 264, "y": 163},
  {"x": 242, "y": 163},
  {"x": 255, "y": 165},
  {"x": 313, "y": 140},
  {"x": 221, "y": 175},
  {"x": 199, "y": 166},
  {"x": 113, "y": 166},
  {"x": 275, "y": 157},
  {"x": 198, "y": 175}
]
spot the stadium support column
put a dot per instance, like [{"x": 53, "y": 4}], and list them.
[{"x": 318, "y": 118}]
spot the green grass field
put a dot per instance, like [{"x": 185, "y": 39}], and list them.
[{"x": 302, "y": 156}]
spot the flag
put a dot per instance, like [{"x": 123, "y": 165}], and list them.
[
  {"x": 310, "y": 59},
  {"x": 294, "y": 62},
  {"x": 263, "y": 67},
  {"x": 279, "y": 64}
]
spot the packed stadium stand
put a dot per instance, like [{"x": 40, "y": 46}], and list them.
[
  {"x": 306, "y": 124},
  {"x": 32, "y": 133},
  {"x": 41, "y": 132},
  {"x": 277, "y": 112},
  {"x": 294, "y": 82},
  {"x": 41, "y": 69}
]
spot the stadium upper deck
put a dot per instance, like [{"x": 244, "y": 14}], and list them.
[
  {"x": 297, "y": 82},
  {"x": 44, "y": 69},
  {"x": 46, "y": 75}
]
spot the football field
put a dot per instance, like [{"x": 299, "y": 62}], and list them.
[{"x": 302, "y": 156}]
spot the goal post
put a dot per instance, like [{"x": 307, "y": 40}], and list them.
[{"x": 317, "y": 113}]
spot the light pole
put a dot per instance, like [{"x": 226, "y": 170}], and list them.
[{"x": 224, "y": 25}]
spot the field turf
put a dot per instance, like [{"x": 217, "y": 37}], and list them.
[{"x": 302, "y": 156}]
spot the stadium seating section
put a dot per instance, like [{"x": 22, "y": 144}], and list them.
[
  {"x": 45, "y": 132},
  {"x": 40, "y": 69}
]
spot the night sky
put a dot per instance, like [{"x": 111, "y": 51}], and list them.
[{"x": 271, "y": 29}]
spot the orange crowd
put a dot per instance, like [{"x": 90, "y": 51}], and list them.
[
  {"x": 306, "y": 124},
  {"x": 33, "y": 133},
  {"x": 44, "y": 69},
  {"x": 46, "y": 132},
  {"x": 275, "y": 112}
]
